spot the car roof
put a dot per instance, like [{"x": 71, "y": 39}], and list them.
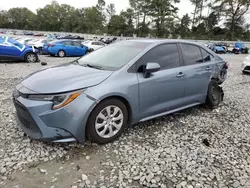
[{"x": 159, "y": 41}]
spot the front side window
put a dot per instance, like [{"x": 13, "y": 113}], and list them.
[
  {"x": 114, "y": 56},
  {"x": 191, "y": 54},
  {"x": 167, "y": 55}
]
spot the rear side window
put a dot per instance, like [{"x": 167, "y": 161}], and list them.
[
  {"x": 191, "y": 54},
  {"x": 67, "y": 43},
  {"x": 167, "y": 55},
  {"x": 206, "y": 56},
  {"x": 78, "y": 44}
]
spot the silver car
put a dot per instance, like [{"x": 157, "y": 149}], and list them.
[{"x": 98, "y": 95}]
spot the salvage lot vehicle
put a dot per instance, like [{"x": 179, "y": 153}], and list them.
[
  {"x": 39, "y": 43},
  {"x": 138, "y": 79},
  {"x": 11, "y": 49},
  {"x": 245, "y": 67},
  {"x": 62, "y": 48},
  {"x": 95, "y": 45}
]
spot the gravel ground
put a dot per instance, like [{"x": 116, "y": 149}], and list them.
[{"x": 190, "y": 149}]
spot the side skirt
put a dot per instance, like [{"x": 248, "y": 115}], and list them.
[{"x": 169, "y": 112}]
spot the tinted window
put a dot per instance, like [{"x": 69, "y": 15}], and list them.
[
  {"x": 67, "y": 43},
  {"x": 94, "y": 43},
  {"x": 167, "y": 55},
  {"x": 206, "y": 56},
  {"x": 192, "y": 54},
  {"x": 77, "y": 44},
  {"x": 107, "y": 57}
]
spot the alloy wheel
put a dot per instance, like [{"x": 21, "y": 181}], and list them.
[
  {"x": 31, "y": 58},
  {"x": 109, "y": 121}
]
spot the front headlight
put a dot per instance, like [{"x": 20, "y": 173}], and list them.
[{"x": 59, "y": 100}]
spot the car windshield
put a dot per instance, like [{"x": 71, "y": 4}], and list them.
[
  {"x": 114, "y": 56},
  {"x": 15, "y": 43}
]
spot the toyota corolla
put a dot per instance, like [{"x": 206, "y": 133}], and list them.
[{"x": 98, "y": 95}]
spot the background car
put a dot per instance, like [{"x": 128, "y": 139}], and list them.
[
  {"x": 11, "y": 49},
  {"x": 245, "y": 67},
  {"x": 95, "y": 45},
  {"x": 25, "y": 40},
  {"x": 62, "y": 48},
  {"x": 38, "y": 44}
]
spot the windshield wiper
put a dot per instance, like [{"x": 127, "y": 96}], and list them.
[{"x": 93, "y": 66}]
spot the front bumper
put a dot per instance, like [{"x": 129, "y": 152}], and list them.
[
  {"x": 63, "y": 125},
  {"x": 245, "y": 66}
]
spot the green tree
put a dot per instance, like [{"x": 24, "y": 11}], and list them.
[
  {"x": 128, "y": 16},
  {"x": 116, "y": 25},
  {"x": 161, "y": 11},
  {"x": 21, "y": 18},
  {"x": 184, "y": 26},
  {"x": 111, "y": 11},
  {"x": 49, "y": 18},
  {"x": 4, "y": 19},
  {"x": 233, "y": 11},
  {"x": 93, "y": 20}
]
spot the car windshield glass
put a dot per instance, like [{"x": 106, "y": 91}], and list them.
[
  {"x": 15, "y": 43},
  {"x": 114, "y": 56}
]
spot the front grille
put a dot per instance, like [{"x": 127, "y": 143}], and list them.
[{"x": 28, "y": 123}]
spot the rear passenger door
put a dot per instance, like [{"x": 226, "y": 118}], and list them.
[
  {"x": 164, "y": 90},
  {"x": 69, "y": 48},
  {"x": 199, "y": 65}
]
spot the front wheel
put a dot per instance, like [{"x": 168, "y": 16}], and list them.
[
  {"x": 31, "y": 57},
  {"x": 214, "y": 95},
  {"x": 107, "y": 121}
]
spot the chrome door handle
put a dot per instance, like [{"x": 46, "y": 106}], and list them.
[
  {"x": 208, "y": 68},
  {"x": 180, "y": 75}
]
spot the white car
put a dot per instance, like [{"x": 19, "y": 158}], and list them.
[
  {"x": 38, "y": 43},
  {"x": 245, "y": 67},
  {"x": 95, "y": 45},
  {"x": 25, "y": 40}
]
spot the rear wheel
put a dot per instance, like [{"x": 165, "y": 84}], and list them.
[
  {"x": 31, "y": 57},
  {"x": 214, "y": 95},
  {"x": 107, "y": 121},
  {"x": 61, "y": 53}
]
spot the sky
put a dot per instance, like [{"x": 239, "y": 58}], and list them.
[{"x": 184, "y": 6}]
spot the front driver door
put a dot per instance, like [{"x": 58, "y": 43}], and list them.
[{"x": 164, "y": 90}]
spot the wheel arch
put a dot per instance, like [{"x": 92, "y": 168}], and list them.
[{"x": 124, "y": 101}]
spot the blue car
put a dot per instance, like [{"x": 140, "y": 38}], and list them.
[
  {"x": 11, "y": 49},
  {"x": 127, "y": 82},
  {"x": 62, "y": 48}
]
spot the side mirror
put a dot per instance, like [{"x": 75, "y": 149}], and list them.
[{"x": 150, "y": 68}]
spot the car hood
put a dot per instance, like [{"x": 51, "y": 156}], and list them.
[{"x": 64, "y": 78}]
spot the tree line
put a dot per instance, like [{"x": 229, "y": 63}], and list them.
[{"x": 210, "y": 19}]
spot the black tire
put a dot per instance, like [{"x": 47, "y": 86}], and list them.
[
  {"x": 214, "y": 95},
  {"x": 31, "y": 57},
  {"x": 244, "y": 72},
  {"x": 61, "y": 53},
  {"x": 91, "y": 132}
]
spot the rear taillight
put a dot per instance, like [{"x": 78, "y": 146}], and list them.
[
  {"x": 227, "y": 65},
  {"x": 51, "y": 45}
]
